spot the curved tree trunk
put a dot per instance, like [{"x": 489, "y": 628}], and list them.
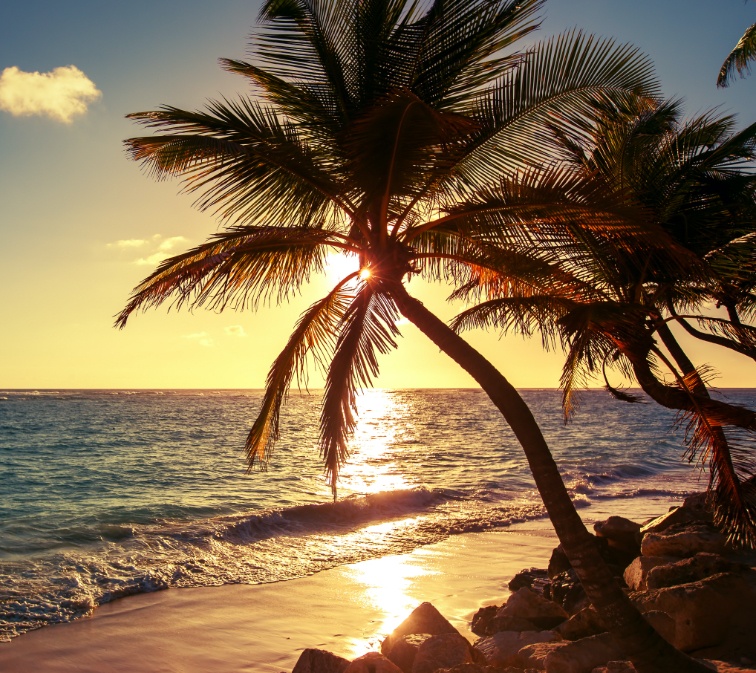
[{"x": 649, "y": 652}]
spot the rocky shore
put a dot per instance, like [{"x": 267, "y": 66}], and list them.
[{"x": 694, "y": 588}]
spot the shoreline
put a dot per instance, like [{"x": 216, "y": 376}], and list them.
[{"x": 264, "y": 627}]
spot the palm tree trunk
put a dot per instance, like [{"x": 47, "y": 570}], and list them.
[{"x": 648, "y": 651}]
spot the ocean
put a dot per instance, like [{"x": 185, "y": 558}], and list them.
[{"x": 107, "y": 493}]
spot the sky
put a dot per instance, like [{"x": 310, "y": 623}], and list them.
[{"x": 81, "y": 225}]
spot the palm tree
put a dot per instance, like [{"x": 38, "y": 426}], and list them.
[
  {"x": 611, "y": 295},
  {"x": 739, "y": 58},
  {"x": 377, "y": 118}
]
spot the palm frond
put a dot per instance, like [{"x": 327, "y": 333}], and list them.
[
  {"x": 368, "y": 329},
  {"x": 246, "y": 164},
  {"x": 315, "y": 335},
  {"x": 562, "y": 82},
  {"x": 739, "y": 58},
  {"x": 238, "y": 267}
]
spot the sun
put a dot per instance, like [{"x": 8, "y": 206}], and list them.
[{"x": 339, "y": 265}]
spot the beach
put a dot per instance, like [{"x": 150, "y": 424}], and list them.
[{"x": 347, "y": 609}]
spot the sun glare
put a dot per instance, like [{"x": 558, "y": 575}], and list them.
[
  {"x": 365, "y": 273},
  {"x": 339, "y": 265}
]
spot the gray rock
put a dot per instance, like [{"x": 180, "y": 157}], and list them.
[
  {"x": 582, "y": 656},
  {"x": 442, "y": 651},
  {"x": 703, "y": 611},
  {"x": 636, "y": 574},
  {"x": 319, "y": 661},
  {"x": 423, "y": 619},
  {"x": 501, "y": 648},
  {"x": 684, "y": 542},
  {"x": 372, "y": 662},
  {"x": 621, "y": 533},
  {"x": 581, "y": 625},
  {"x": 692, "y": 569},
  {"x": 404, "y": 650},
  {"x": 528, "y": 605}
]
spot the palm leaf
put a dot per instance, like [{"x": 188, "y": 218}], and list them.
[
  {"x": 238, "y": 267},
  {"x": 739, "y": 58},
  {"x": 314, "y": 334},
  {"x": 368, "y": 328}
]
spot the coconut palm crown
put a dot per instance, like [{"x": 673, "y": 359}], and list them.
[{"x": 690, "y": 182}]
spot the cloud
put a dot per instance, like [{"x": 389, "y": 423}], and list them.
[
  {"x": 202, "y": 338},
  {"x": 235, "y": 330},
  {"x": 128, "y": 243},
  {"x": 61, "y": 94},
  {"x": 158, "y": 248},
  {"x": 170, "y": 243}
]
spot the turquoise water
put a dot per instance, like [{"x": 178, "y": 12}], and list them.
[{"x": 109, "y": 493}]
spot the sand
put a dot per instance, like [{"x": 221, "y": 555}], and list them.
[{"x": 347, "y": 610}]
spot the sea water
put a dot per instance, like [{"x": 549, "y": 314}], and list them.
[{"x": 109, "y": 493}]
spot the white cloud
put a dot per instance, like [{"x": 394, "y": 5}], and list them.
[
  {"x": 170, "y": 243},
  {"x": 202, "y": 338},
  {"x": 235, "y": 330},
  {"x": 128, "y": 243},
  {"x": 153, "y": 260},
  {"x": 61, "y": 94}
]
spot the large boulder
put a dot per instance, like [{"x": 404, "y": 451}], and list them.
[
  {"x": 501, "y": 648},
  {"x": 532, "y": 578},
  {"x": 691, "y": 569},
  {"x": 567, "y": 591},
  {"x": 372, "y": 662},
  {"x": 481, "y": 621},
  {"x": 636, "y": 574},
  {"x": 485, "y": 622},
  {"x": 615, "y": 667},
  {"x": 582, "y": 656},
  {"x": 621, "y": 533},
  {"x": 684, "y": 541},
  {"x": 423, "y": 619},
  {"x": 533, "y": 657},
  {"x": 319, "y": 661},
  {"x": 675, "y": 517},
  {"x": 581, "y": 625},
  {"x": 703, "y": 612},
  {"x": 404, "y": 650},
  {"x": 528, "y": 605},
  {"x": 442, "y": 651}
]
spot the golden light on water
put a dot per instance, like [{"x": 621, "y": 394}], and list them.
[
  {"x": 372, "y": 466},
  {"x": 388, "y": 584}
]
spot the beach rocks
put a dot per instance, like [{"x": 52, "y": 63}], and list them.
[
  {"x": 423, "y": 619},
  {"x": 621, "y": 534},
  {"x": 702, "y": 612},
  {"x": 319, "y": 661},
  {"x": 532, "y": 578},
  {"x": 636, "y": 574},
  {"x": 442, "y": 651},
  {"x": 372, "y": 662},
  {"x": 502, "y": 648},
  {"x": 582, "y": 624},
  {"x": 525, "y": 604},
  {"x": 684, "y": 540}
]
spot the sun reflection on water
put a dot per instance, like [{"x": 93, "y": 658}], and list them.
[
  {"x": 388, "y": 588},
  {"x": 384, "y": 422}
]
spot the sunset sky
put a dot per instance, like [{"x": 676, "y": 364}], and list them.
[{"x": 80, "y": 224}]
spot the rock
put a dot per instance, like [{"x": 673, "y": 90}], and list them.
[
  {"x": 526, "y": 604},
  {"x": 663, "y": 624},
  {"x": 558, "y": 563},
  {"x": 442, "y": 651},
  {"x": 636, "y": 574},
  {"x": 404, "y": 650},
  {"x": 615, "y": 667},
  {"x": 423, "y": 619},
  {"x": 534, "y": 656},
  {"x": 621, "y": 533},
  {"x": 507, "y": 623},
  {"x": 703, "y": 611},
  {"x": 319, "y": 661},
  {"x": 581, "y": 625},
  {"x": 582, "y": 656},
  {"x": 675, "y": 517},
  {"x": 692, "y": 569},
  {"x": 684, "y": 542},
  {"x": 372, "y": 662},
  {"x": 699, "y": 504},
  {"x": 482, "y": 619},
  {"x": 532, "y": 578},
  {"x": 566, "y": 591},
  {"x": 501, "y": 648}
]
